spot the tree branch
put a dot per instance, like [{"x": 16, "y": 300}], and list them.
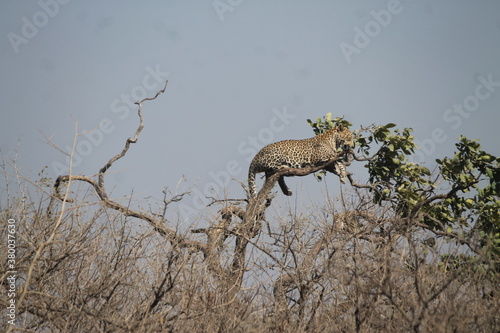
[
  {"x": 98, "y": 186},
  {"x": 427, "y": 201},
  {"x": 129, "y": 140}
]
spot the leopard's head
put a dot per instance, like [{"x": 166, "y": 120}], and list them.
[{"x": 345, "y": 138}]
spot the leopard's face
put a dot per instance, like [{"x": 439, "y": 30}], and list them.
[{"x": 345, "y": 138}]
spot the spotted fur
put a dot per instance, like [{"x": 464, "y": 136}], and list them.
[{"x": 301, "y": 153}]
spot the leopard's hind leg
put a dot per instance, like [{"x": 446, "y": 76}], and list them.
[
  {"x": 282, "y": 184},
  {"x": 284, "y": 188}
]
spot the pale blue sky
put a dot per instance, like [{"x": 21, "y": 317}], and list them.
[{"x": 241, "y": 73}]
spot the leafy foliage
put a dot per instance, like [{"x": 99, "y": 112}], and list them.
[
  {"x": 323, "y": 125},
  {"x": 472, "y": 169},
  {"x": 459, "y": 201}
]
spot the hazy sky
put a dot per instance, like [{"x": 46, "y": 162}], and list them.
[{"x": 241, "y": 74}]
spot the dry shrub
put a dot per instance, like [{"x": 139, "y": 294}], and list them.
[
  {"x": 86, "y": 262},
  {"x": 360, "y": 269}
]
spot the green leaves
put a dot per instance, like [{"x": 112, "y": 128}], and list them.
[
  {"x": 323, "y": 125},
  {"x": 463, "y": 194},
  {"x": 389, "y": 167},
  {"x": 472, "y": 169}
]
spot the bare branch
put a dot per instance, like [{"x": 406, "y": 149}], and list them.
[
  {"x": 100, "y": 190},
  {"x": 218, "y": 201},
  {"x": 48, "y": 140},
  {"x": 129, "y": 140},
  {"x": 154, "y": 97}
]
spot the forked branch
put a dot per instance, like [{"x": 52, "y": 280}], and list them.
[{"x": 158, "y": 224}]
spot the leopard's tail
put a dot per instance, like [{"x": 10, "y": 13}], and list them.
[{"x": 251, "y": 182}]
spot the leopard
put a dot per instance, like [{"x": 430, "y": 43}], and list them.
[{"x": 313, "y": 152}]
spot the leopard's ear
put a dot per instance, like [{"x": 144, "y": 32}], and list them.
[{"x": 340, "y": 127}]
